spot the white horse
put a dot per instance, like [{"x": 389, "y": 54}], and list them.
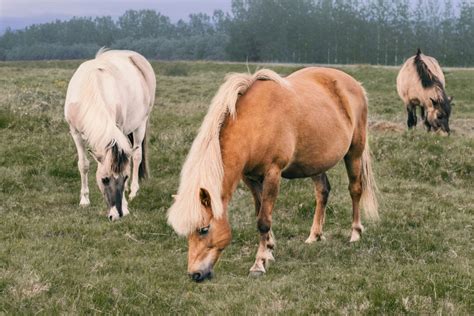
[{"x": 108, "y": 102}]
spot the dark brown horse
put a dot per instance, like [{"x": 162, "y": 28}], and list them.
[{"x": 260, "y": 128}]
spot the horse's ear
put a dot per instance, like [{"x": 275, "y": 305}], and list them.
[
  {"x": 205, "y": 197},
  {"x": 418, "y": 52},
  {"x": 451, "y": 98},
  {"x": 97, "y": 158}
]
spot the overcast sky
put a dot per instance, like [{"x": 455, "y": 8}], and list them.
[{"x": 20, "y": 13}]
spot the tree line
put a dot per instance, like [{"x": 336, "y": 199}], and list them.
[{"x": 303, "y": 31}]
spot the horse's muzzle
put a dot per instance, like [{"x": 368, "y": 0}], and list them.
[{"x": 200, "y": 276}]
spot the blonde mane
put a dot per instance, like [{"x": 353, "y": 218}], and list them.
[{"x": 203, "y": 167}]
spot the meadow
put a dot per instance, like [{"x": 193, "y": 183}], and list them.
[{"x": 56, "y": 257}]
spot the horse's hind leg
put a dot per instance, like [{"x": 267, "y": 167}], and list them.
[
  {"x": 83, "y": 165},
  {"x": 138, "y": 136},
  {"x": 412, "y": 119},
  {"x": 322, "y": 189},
  {"x": 354, "y": 171},
  {"x": 270, "y": 187}
]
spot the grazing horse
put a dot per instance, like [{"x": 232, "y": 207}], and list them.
[
  {"x": 108, "y": 103},
  {"x": 260, "y": 128},
  {"x": 421, "y": 82}
]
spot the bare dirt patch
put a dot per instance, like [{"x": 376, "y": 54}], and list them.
[{"x": 386, "y": 126}]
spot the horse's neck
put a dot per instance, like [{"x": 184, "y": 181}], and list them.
[{"x": 232, "y": 176}]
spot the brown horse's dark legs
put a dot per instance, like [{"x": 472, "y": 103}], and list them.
[
  {"x": 270, "y": 187},
  {"x": 256, "y": 187},
  {"x": 321, "y": 189},
  {"x": 354, "y": 168},
  {"x": 412, "y": 120}
]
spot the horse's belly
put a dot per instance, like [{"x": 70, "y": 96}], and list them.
[{"x": 308, "y": 169}]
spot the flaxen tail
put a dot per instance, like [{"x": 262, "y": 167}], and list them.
[{"x": 369, "y": 187}]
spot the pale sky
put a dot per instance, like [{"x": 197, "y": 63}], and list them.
[{"x": 20, "y": 13}]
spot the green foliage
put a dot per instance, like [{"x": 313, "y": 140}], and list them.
[
  {"x": 302, "y": 31},
  {"x": 58, "y": 258}
]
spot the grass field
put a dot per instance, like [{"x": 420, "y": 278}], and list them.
[{"x": 56, "y": 257}]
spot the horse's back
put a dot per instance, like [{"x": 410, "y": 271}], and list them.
[
  {"x": 123, "y": 80},
  {"x": 340, "y": 91},
  {"x": 409, "y": 85},
  {"x": 132, "y": 66},
  {"x": 306, "y": 127}
]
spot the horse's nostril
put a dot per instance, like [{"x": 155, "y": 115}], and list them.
[
  {"x": 196, "y": 276},
  {"x": 110, "y": 217}
]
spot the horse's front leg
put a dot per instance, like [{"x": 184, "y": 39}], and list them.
[
  {"x": 271, "y": 184},
  {"x": 83, "y": 165},
  {"x": 412, "y": 119},
  {"x": 137, "y": 155}
]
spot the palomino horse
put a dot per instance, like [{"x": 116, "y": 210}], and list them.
[
  {"x": 420, "y": 82},
  {"x": 108, "y": 102},
  {"x": 260, "y": 128}
]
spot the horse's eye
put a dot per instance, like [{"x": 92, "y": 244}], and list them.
[
  {"x": 105, "y": 180},
  {"x": 204, "y": 230},
  {"x": 439, "y": 116}
]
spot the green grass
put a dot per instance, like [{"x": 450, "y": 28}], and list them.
[{"x": 56, "y": 257}]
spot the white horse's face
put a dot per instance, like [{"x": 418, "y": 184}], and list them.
[{"x": 112, "y": 186}]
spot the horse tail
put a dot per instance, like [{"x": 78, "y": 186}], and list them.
[
  {"x": 369, "y": 187},
  {"x": 143, "y": 172},
  {"x": 428, "y": 79}
]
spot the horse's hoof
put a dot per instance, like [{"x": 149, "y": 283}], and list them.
[
  {"x": 256, "y": 274},
  {"x": 312, "y": 239},
  {"x": 355, "y": 236},
  {"x": 356, "y": 233},
  {"x": 84, "y": 202}
]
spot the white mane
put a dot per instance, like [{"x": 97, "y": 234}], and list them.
[
  {"x": 93, "y": 117},
  {"x": 203, "y": 167}
]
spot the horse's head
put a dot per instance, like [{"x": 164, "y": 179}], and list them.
[
  {"x": 207, "y": 242},
  {"x": 438, "y": 114},
  {"x": 113, "y": 168}
]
